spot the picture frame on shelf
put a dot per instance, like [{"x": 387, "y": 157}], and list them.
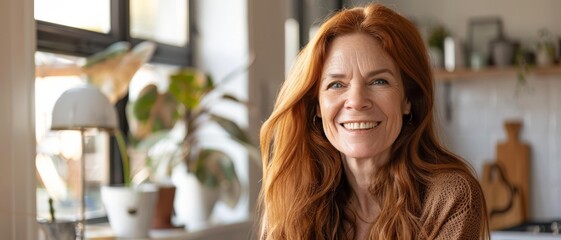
[{"x": 481, "y": 32}]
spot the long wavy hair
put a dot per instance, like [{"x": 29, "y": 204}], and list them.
[{"x": 304, "y": 190}]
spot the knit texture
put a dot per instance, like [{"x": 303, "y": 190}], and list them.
[{"x": 452, "y": 207}]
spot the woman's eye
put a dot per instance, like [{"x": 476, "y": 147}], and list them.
[
  {"x": 378, "y": 82},
  {"x": 335, "y": 85}
]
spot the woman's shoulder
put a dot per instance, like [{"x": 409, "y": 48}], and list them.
[
  {"x": 453, "y": 187},
  {"x": 453, "y": 181},
  {"x": 453, "y": 206}
]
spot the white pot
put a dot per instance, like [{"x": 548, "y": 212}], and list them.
[
  {"x": 193, "y": 202},
  {"x": 130, "y": 209},
  {"x": 543, "y": 59}
]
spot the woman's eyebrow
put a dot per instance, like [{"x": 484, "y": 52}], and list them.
[
  {"x": 379, "y": 71},
  {"x": 334, "y": 75},
  {"x": 370, "y": 74}
]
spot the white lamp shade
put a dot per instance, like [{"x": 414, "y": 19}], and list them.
[{"x": 83, "y": 107}]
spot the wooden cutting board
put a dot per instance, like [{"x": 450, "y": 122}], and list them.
[
  {"x": 503, "y": 199},
  {"x": 505, "y": 182},
  {"x": 514, "y": 156}
]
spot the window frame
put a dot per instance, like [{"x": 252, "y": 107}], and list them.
[{"x": 62, "y": 39}]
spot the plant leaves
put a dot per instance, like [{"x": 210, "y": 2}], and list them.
[
  {"x": 215, "y": 169},
  {"x": 231, "y": 98},
  {"x": 231, "y": 128},
  {"x": 189, "y": 86},
  {"x": 153, "y": 112},
  {"x": 144, "y": 103},
  {"x": 114, "y": 50}
]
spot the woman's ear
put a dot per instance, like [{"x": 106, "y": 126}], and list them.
[
  {"x": 407, "y": 107},
  {"x": 318, "y": 112}
]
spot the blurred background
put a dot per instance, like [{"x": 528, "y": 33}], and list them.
[{"x": 494, "y": 62}]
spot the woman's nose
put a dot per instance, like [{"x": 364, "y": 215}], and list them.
[{"x": 358, "y": 99}]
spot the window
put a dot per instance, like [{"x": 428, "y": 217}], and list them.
[
  {"x": 69, "y": 28},
  {"x": 64, "y": 38},
  {"x": 91, "y": 15},
  {"x": 163, "y": 21}
]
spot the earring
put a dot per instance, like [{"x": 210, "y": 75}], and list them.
[
  {"x": 315, "y": 119},
  {"x": 410, "y": 117}
]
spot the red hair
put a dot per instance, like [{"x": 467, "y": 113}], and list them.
[{"x": 304, "y": 190}]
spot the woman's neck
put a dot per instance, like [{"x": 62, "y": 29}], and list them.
[{"x": 359, "y": 173}]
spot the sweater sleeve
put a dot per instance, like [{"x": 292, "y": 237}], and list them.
[{"x": 453, "y": 207}]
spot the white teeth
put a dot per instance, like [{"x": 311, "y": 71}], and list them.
[{"x": 360, "y": 125}]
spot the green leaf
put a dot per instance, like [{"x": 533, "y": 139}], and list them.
[
  {"x": 231, "y": 128},
  {"x": 143, "y": 105},
  {"x": 231, "y": 97},
  {"x": 153, "y": 112},
  {"x": 166, "y": 111},
  {"x": 209, "y": 85},
  {"x": 114, "y": 50},
  {"x": 188, "y": 86},
  {"x": 215, "y": 169}
]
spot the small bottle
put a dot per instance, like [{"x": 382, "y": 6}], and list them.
[{"x": 453, "y": 54}]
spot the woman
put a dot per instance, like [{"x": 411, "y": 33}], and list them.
[{"x": 350, "y": 150}]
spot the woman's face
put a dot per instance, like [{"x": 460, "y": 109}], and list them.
[{"x": 361, "y": 97}]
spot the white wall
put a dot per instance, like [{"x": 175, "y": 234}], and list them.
[
  {"x": 221, "y": 46},
  {"x": 17, "y": 132},
  {"x": 479, "y": 107},
  {"x": 521, "y": 18},
  {"x": 232, "y": 34}
]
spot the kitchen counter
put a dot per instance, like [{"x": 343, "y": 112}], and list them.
[
  {"x": 530, "y": 230},
  {"x": 503, "y": 235}
]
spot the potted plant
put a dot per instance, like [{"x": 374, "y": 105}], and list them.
[
  {"x": 167, "y": 125},
  {"x": 545, "y": 49},
  {"x": 436, "y": 45},
  {"x": 129, "y": 207}
]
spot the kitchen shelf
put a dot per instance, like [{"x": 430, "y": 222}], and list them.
[
  {"x": 492, "y": 72},
  {"x": 447, "y": 78}
]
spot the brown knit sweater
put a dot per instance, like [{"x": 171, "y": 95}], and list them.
[{"x": 452, "y": 207}]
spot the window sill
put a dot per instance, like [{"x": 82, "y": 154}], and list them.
[{"x": 218, "y": 231}]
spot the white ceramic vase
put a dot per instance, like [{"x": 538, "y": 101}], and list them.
[
  {"x": 130, "y": 209},
  {"x": 194, "y": 202}
]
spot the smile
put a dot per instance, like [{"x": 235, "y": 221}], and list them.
[{"x": 360, "y": 125}]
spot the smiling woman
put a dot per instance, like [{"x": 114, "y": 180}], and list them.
[
  {"x": 372, "y": 168},
  {"x": 361, "y": 100}
]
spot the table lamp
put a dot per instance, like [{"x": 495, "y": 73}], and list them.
[{"x": 82, "y": 108}]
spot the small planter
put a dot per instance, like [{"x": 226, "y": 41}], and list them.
[
  {"x": 130, "y": 210},
  {"x": 195, "y": 202},
  {"x": 164, "y": 207}
]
